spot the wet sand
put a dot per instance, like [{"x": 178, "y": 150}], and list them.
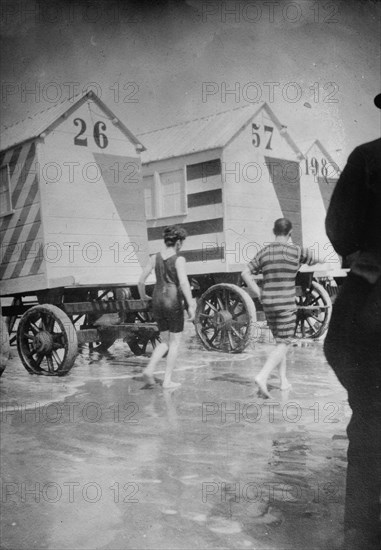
[{"x": 93, "y": 460}]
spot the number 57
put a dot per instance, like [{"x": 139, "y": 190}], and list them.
[{"x": 257, "y": 138}]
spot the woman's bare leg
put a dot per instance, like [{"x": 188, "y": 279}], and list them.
[
  {"x": 173, "y": 351},
  {"x": 157, "y": 354}
]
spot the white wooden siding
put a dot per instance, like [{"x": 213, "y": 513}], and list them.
[{"x": 97, "y": 201}]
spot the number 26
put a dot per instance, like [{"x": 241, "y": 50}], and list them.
[{"x": 98, "y": 133}]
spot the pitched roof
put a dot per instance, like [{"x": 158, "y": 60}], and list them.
[
  {"x": 34, "y": 125},
  {"x": 202, "y": 134},
  {"x": 311, "y": 143}
]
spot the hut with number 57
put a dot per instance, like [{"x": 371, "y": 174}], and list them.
[{"x": 225, "y": 178}]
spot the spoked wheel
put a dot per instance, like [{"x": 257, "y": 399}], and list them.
[
  {"x": 138, "y": 346},
  {"x": 145, "y": 316},
  {"x": 4, "y": 344},
  {"x": 225, "y": 318},
  {"x": 314, "y": 308},
  {"x": 103, "y": 346},
  {"x": 47, "y": 341}
]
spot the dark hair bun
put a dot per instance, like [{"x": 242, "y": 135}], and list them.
[{"x": 173, "y": 233}]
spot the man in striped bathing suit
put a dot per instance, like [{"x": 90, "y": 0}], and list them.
[{"x": 279, "y": 262}]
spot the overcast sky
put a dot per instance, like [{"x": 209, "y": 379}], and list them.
[{"x": 157, "y": 63}]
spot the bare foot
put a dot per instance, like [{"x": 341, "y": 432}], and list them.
[
  {"x": 262, "y": 386},
  {"x": 285, "y": 386},
  {"x": 149, "y": 378},
  {"x": 171, "y": 385}
]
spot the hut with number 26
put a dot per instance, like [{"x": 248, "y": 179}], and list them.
[{"x": 72, "y": 208}]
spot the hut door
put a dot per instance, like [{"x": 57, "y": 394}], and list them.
[{"x": 285, "y": 177}]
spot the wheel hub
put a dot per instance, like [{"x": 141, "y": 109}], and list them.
[
  {"x": 224, "y": 318},
  {"x": 43, "y": 342}
]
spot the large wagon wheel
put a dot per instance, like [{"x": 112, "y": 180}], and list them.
[
  {"x": 4, "y": 344},
  {"x": 225, "y": 318},
  {"x": 138, "y": 346},
  {"x": 47, "y": 341},
  {"x": 314, "y": 308}
]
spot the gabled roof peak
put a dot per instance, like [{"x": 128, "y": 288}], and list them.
[
  {"x": 34, "y": 125},
  {"x": 206, "y": 117},
  {"x": 209, "y": 132}
]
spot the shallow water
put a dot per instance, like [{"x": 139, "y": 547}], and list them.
[{"x": 92, "y": 461}]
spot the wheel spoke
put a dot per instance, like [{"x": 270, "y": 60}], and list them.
[
  {"x": 232, "y": 305},
  {"x": 239, "y": 323},
  {"x": 34, "y": 328},
  {"x": 236, "y": 333},
  {"x": 226, "y": 296},
  {"x": 224, "y": 320},
  {"x": 206, "y": 315},
  {"x": 317, "y": 319},
  {"x": 243, "y": 312},
  {"x": 220, "y": 303},
  {"x": 314, "y": 301},
  {"x": 208, "y": 323},
  {"x": 230, "y": 339},
  {"x": 39, "y": 359},
  {"x": 56, "y": 357},
  {"x": 223, "y": 335},
  {"x": 211, "y": 306},
  {"x": 41, "y": 332},
  {"x": 49, "y": 359},
  {"x": 58, "y": 340},
  {"x": 311, "y": 326},
  {"x": 210, "y": 340},
  {"x": 49, "y": 323}
]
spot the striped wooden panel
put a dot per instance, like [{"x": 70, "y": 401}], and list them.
[
  {"x": 204, "y": 246},
  {"x": 21, "y": 232},
  {"x": 204, "y": 254},
  {"x": 203, "y": 170},
  {"x": 192, "y": 228},
  {"x": 213, "y": 196}
]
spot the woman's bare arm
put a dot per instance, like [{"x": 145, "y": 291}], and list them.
[
  {"x": 141, "y": 284},
  {"x": 185, "y": 286}
]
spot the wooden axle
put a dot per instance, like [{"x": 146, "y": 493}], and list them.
[
  {"x": 126, "y": 330},
  {"x": 73, "y": 308}
]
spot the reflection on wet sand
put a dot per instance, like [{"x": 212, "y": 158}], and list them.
[{"x": 207, "y": 465}]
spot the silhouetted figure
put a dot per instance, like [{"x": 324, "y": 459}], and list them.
[{"x": 353, "y": 342}]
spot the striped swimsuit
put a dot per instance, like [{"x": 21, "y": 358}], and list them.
[{"x": 279, "y": 264}]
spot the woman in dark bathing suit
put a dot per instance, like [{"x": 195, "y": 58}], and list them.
[{"x": 171, "y": 285}]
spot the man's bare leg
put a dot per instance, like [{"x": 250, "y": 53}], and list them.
[
  {"x": 284, "y": 383},
  {"x": 272, "y": 361}
]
